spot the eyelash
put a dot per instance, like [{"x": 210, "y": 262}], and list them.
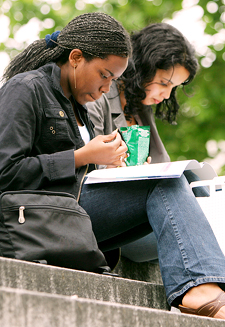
[
  {"x": 103, "y": 76},
  {"x": 163, "y": 84}
]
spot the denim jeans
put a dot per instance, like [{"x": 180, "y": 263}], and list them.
[
  {"x": 145, "y": 248},
  {"x": 188, "y": 252},
  {"x": 142, "y": 250}
]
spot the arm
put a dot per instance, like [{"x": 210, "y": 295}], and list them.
[
  {"x": 22, "y": 164},
  {"x": 102, "y": 150},
  {"x": 24, "y": 161}
]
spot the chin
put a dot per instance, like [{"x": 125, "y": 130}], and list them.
[
  {"x": 148, "y": 103},
  {"x": 84, "y": 100},
  {"x": 81, "y": 102}
]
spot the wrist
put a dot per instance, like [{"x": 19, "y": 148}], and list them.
[{"x": 81, "y": 158}]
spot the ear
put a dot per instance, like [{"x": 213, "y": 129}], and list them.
[{"x": 75, "y": 57}]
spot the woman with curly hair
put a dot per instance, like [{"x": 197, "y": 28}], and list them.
[{"x": 162, "y": 60}]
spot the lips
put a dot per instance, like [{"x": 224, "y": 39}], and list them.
[{"x": 157, "y": 101}]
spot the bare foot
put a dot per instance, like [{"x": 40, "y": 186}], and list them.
[{"x": 199, "y": 295}]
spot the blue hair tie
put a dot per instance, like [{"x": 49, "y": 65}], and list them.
[{"x": 51, "y": 39}]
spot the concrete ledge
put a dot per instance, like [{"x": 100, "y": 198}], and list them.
[
  {"x": 145, "y": 271},
  {"x": 54, "y": 280},
  {"x": 30, "y": 309}
]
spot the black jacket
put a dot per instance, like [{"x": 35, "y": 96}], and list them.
[{"x": 39, "y": 133}]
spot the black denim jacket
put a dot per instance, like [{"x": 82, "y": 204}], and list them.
[{"x": 39, "y": 133}]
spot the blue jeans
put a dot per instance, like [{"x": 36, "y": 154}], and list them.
[
  {"x": 145, "y": 248},
  {"x": 188, "y": 252},
  {"x": 142, "y": 250}
]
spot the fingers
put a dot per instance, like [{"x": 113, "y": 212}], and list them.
[
  {"x": 107, "y": 150},
  {"x": 122, "y": 147},
  {"x": 114, "y": 137},
  {"x": 115, "y": 141},
  {"x": 110, "y": 137},
  {"x": 120, "y": 162},
  {"x": 149, "y": 159},
  {"x": 123, "y": 144}
]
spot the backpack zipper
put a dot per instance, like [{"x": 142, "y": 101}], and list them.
[
  {"x": 21, "y": 213},
  {"x": 21, "y": 219}
]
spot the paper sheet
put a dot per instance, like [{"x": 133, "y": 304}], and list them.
[{"x": 161, "y": 170}]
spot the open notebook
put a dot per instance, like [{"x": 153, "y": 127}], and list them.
[{"x": 172, "y": 169}]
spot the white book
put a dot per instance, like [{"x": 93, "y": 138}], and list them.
[{"x": 172, "y": 169}]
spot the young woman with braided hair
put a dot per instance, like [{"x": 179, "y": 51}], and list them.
[
  {"x": 162, "y": 59},
  {"x": 62, "y": 71},
  {"x": 44, "y": 123}
]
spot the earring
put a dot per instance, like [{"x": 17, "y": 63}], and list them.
[{"x": 74, "y": 73}]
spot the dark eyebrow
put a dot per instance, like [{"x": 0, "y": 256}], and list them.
[
  {"x": 168, "y": 80},
  {"x": 109, "y": 72}
]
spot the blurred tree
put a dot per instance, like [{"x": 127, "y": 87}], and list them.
[{"x": 202, "y": 116}]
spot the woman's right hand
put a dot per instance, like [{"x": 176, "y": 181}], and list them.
[{"x": 102, "y": 150}]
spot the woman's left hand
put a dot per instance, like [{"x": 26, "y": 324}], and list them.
[{"x": 148, "y": 161}]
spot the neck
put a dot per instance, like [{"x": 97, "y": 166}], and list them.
[
  {"x": 122, "y": 99},
  {"x": 75, "y": 109},
  {"x": 64, "y": 80}
]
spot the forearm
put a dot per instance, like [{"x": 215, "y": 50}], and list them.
[{"x": 33, "y": 172}]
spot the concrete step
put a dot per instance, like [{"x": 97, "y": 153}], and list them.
[
  {"x": 54, "y": 280},
  {"x": 144, "y": 271},
  {"x": 20, "y": 308}
]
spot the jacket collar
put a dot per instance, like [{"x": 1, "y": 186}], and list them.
[
  {"x": 113, "y": 95},
  {"x": 53, "y": 73}
]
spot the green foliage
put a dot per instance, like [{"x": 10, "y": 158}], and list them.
[{"x": 202, "y": 116}]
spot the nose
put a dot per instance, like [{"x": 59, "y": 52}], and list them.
[
  {"x": 166, "y": 93},
  {"x": 106, "y": 87}
]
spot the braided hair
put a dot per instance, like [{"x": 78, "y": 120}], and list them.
[
  {"x": 157, "y": 46},
  {"x": 95, "y": 34}
]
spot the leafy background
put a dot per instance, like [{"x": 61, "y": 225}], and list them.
[{"x": 200, "y": 129}]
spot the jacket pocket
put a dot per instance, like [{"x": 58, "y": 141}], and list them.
[{"x": 55, "y": 125}]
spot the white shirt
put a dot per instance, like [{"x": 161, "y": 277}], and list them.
[{"x": 84, "y": 134}]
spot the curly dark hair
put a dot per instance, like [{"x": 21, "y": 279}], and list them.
[
  {"x": 95, "y": 34},
  {"x": 157, "y": 46}
]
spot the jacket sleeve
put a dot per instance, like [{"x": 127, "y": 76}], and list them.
[{"x": 20, "y": 167}]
